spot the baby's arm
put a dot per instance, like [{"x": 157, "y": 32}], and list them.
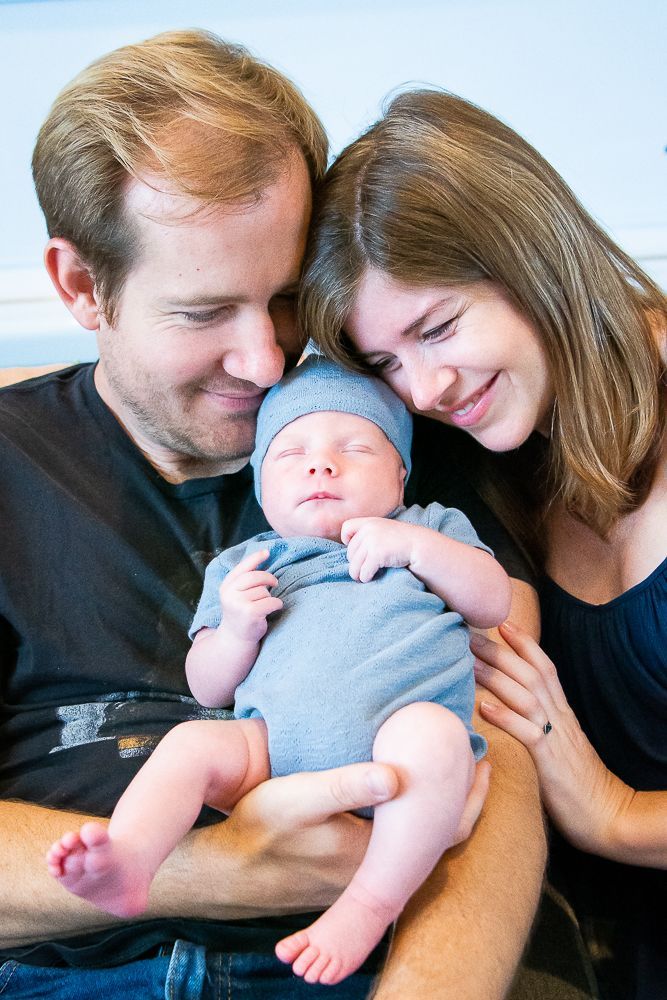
[
  {"x": 220, "y": 658},
  {"x": 467, "y": 579}
]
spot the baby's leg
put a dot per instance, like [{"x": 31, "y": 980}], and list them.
[
  {"x": 429, "y": 748},
  {"x": 206, "y": 762}
]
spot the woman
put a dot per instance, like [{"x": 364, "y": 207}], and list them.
[{"x": 451, "y": 259}]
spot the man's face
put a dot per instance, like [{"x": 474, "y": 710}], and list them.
[
  {"x": 205, "y": 323},
  {"x": 324, "y": 468}
]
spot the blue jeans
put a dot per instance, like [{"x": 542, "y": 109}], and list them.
[{"x": 190, "y": 972}]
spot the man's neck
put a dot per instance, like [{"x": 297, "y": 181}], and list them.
[{"x": 180, "y": 468}]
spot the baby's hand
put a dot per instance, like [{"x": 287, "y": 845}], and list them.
[
  {"x": 246, "y": 600},
  {"x": 374, "y": 543}
]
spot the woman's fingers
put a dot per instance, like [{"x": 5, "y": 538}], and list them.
[
  {"x": 510, "y": 693},
  {"x": 524, "y": 696},
  {"x": 505, "y": 669},
  {"x": 511, "y": 661},
  {"x": 522, "y": 729},
  {"x": 530, "y": 651}
]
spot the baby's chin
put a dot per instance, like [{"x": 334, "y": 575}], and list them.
[
  {"x": 316, "y": 524},
  {"x": 330, "y": 531},
  {"x": 329, "y": 527}
]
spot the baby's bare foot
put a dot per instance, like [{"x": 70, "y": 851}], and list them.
[
  {"x": 339, "y": 941},
  {"x": 106, "y": 872}
]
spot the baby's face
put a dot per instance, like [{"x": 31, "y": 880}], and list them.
[{"x": 324, "y": 468}]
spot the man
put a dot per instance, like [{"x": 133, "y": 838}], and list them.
[{"x": 176, "y": 180}]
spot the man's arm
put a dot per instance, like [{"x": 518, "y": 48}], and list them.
[
  {"x": 289, "y": 846},
  {"x": 463, "y": 933}
]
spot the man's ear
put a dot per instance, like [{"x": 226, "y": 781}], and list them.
[{"x": 72, "y": 281}]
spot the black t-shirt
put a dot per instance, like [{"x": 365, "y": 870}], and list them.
[{"x": 101, "y": 569}]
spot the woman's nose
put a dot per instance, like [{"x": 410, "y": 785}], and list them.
[{"x": 428, "y": 385}]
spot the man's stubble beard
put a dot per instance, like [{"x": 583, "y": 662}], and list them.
[{"x": 232, "y": 441}]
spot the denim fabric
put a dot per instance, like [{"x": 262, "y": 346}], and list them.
[
  {"x": 143, "y": 980},
  {"x": 190, "y": 973}
]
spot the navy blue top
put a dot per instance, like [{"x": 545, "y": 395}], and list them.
[{"x": 612, "y": 663}]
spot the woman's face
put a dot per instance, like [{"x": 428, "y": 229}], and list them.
[{"x": 463, "y": 355}]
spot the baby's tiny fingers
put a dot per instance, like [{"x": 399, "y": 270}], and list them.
[
  {"x": 269, "y": 605},
  {"x": 248, "y": 563},
  {"x": 350, "y": 527},
  {"x": 258, "y": 578},
  {"x": 368, "y": 568}
]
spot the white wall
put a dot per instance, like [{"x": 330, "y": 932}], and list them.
[{"x": 584, "y": 81}]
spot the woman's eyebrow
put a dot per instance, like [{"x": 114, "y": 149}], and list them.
[{"x": 425, "y": 316}]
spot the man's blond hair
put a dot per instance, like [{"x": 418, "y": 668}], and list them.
[{"x": 201, "y": 114}]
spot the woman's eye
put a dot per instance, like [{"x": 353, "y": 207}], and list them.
[
  {"x": 384, "y": 365},
  {"x": 438, "y": 332}
]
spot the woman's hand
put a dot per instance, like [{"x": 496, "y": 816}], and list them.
[{"x": 593, "y": 808}]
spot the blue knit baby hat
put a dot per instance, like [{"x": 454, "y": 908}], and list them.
[{"x": 318, "y": 385}]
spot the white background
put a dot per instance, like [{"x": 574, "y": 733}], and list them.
[{"x": 585, "y": 82}]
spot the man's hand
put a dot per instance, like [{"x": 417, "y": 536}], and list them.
[
  {"x": 299, "y": 832},
  {"x": 289, "y": 846},
  {"x": 292, "y": 844},
  {"x": 474, "y": 803},
  {"x": 246, "y": 598}
]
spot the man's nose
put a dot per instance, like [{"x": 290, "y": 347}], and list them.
[{"x": 257, "y": 357}]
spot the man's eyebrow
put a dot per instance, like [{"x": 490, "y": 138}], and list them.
[
  {"x": 215, "y": 299},
  {"x": 201, "y": 299}
]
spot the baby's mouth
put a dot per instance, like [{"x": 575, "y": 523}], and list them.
[{"x": 320, "y": 495}]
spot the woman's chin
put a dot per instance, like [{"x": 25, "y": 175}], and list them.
[
  {"x": 493, "y": 437},
  {"x": 500, "y": 439}
]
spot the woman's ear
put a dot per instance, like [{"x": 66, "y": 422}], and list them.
[{"x": 73, "y": 282}]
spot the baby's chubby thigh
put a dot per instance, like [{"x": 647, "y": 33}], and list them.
[
  {"x": 429, "y": 748},
  {"x": 225, "y": 758}
]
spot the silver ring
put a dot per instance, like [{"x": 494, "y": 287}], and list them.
[{"x": 546, "y": 728}]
